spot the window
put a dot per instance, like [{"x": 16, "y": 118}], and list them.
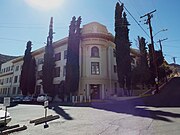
[
  {"x": 40, "y": 61},
  {"x": 65, "y": 54},
  {"x": 14, "y": 91},
  {"x": 57, "y": 56},
  {"x": 17, "y": 68},
  {"x": 12, "y": 68},
  {"x": 95, "y": 68},
  {"x": 7, "y": 80},
  {"x": 57, "y": 72},
  {"x": 19, "y": 91},
  {"x": 132, "y": 61},
  {"x": 2, "y": 81},
  {"x": 95, "y": 52},
  {"x": 8, "y": 91},
  {"x": 39, "y": 75},
  {"x": 10, "y": 79},
  {"x": 15, "y": 79},
  {"x": 4, "y": 91},
  {"x": 115, "y": 69},
  {"x": 64, "y": 71}
]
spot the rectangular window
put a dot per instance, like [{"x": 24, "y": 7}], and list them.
[
  {"x": 65, "y": 54},
  {"x": 57, "y": 56},
  {"x": 64, "y": 71},
  {"x": 15, "y": 79},
  {"x": 10, "y": 79},
  {"x": 7, "y": 80},
  {"x": 8, "y": 91},
  {"x": 2, "y": 81},
  {"x": 95, "y": 70},
  {"x": 19, "y": 91},
  {"x": 40, "y": 61},
  {"x": 12, "y": 68},
  {"x": 39, "y": 75},
  {"x": 57, "y": 72},
  {"x": 17, "y": 68},
  {"x": 4, "y": 91},
  {"x": 14, "y": 91}
]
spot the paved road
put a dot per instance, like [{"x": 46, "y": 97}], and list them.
[{"x": 155, "y": 115}]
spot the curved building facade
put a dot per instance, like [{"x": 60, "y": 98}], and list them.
[{"x": 98, "y": 72}]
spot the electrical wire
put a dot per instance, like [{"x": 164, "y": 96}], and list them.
[{"x": 135, "y": 19}]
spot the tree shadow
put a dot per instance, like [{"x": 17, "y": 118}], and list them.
[
  {"x": 60, "y": 111},
  {"x": 132, "y": 107},
  {"x": 167, "y": 98}
]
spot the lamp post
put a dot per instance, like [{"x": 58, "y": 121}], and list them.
[{"x": 160, "y": 31}]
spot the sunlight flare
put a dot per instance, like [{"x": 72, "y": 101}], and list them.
[{"x": 44, "y": 4}]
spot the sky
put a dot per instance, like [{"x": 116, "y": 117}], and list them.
[{"x": 24, "y": 20}]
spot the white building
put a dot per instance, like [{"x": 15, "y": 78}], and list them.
[{"x": 98, "y": 75}]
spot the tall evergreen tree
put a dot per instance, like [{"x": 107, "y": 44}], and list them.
[
  {"x": 32, "y": 77},
  {"x": 48, "y": 66},
  {"x": 25, "y": 69},
  {"x": 72, "y": 65},
  {"x": 123, "y": 58},
  {"x": 143, "y": 64}
]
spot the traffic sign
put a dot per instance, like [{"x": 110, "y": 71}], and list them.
[{"x": 6, "y": 101}]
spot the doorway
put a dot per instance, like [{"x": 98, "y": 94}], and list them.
[{"x": 95, "y": 91}]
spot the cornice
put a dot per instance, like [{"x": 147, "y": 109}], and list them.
[
  {"x": 5, "y": 74},
  {"x": 98, "y": 35}
]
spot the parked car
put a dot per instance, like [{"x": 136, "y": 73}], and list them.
[
  {"x": 43, "y": 97},
  {"x": 2, "y": 118},
  {"x": 17, "y": 99},
  {"x": 28, "y": 99}
]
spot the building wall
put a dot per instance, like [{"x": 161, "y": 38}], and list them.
[{"x": 98, "y": 75}]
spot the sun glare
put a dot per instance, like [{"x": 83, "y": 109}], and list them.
[{"x": 44, "y": 4}]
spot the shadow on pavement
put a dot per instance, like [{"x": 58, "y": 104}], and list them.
[
  {"x": 167, "y": 98},
  {"x": 60, "y": 111}
]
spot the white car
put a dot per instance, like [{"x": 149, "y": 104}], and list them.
[
  {"x": 43, "y": 97},
  {"x": 2, "y": 118}
]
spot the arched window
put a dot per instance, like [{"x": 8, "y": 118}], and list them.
[{"x": 94, "y": 51}]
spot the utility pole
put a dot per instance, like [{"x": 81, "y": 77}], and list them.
[
  {"x": 160, "y": 41},
  {"x": 150, "y": 15},
  {"x": 174, "y": 59}
]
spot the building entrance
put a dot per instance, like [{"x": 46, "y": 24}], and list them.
[{"x": 95, "y": 91}]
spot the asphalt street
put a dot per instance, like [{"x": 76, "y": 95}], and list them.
[{"x": 153, "y": 115}]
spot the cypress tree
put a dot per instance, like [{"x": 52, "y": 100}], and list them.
[
  {"x": 32, "y": 77},
  {"x": 143, "y": 64},
  {"x": 25, "y": 69},
  {"x": 123, "y": 58},
  {"x": 72, "y": 65},
  {"x": 48, "y": 66}
]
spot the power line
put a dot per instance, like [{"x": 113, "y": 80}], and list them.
[
  {"x": 135, "y": 20},
  {"x": 19, "y": 40},
  {"x": 13, "y": 39}
]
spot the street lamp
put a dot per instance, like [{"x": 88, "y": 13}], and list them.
[{"x": 160, "y": 31}]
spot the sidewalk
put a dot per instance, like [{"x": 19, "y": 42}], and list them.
[
  {"x": 152, "y": 90},
  {"x": 123, "y": 98}
]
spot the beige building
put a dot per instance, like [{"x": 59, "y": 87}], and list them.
[{"x": 98, "y": 72}]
